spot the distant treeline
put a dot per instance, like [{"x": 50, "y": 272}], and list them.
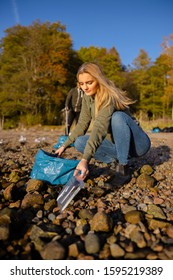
[{"x": 38, "y": 66}]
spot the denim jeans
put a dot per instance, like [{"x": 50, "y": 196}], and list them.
[{"x": 129, "y": 141}]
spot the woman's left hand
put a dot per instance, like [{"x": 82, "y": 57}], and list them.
[{"x": 81, "y": 170}]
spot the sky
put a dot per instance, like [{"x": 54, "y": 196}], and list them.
[{"x": 127, "y": 25}]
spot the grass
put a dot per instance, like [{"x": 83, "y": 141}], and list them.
[
  {"x": 146, "y": 125},
  {"x": 162, "y": 123}
]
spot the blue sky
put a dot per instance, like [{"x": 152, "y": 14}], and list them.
[{"x": 128, "y": 25}]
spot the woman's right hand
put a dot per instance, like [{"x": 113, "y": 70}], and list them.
[
  {"x": 82, "y": 171},
  {"x": 59, "y": 151}
]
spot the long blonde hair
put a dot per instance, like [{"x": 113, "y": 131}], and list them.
[{"x": 107, "y": 92}]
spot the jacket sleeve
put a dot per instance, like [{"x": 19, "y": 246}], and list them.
[
  {"x": 99, "y": 131},
  {"x": 82, "y": 125}
]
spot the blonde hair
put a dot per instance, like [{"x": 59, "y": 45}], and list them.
[{"x": 107, "y": 92}]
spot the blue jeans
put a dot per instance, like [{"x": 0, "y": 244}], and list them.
[{"x": 129, "y": 141}]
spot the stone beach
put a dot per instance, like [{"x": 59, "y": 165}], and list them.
[{"x": 104, "y": 221}]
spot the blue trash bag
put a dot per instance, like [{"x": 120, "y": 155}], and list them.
[
  {"x": 61, "y": 141},
  {"x": 52, "y": 169}
]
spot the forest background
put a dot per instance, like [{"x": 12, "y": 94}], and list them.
[{"x": 38, "y": 67}]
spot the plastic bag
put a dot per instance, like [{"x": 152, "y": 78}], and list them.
[
  {"x": 52, "y": 169},
  {"x": 68, "y": 192},
  {"x": 61, "y": 141}
]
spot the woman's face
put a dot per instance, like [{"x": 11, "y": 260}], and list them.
[{"x": 88, "y": 84}]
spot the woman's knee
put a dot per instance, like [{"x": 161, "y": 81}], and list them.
[
  {"x": 118, "y": 118},
  {"x": 80, "y": 143}
]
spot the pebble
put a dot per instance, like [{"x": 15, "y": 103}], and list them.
[
  {"x": 92, "y": 243},
  {"x": 133, "y": 217},
  {"x": 116, "y": 251},
  {"x": 53, "y": 251},
  {"x": 101, "y": 222}
]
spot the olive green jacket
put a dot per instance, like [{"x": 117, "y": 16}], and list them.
[{"x": 100, "y": 128}]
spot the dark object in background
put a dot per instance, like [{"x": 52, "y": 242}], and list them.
[{"x": 165, "y": 129}]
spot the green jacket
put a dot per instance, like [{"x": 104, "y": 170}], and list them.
[{"x": 100, "y": 128}]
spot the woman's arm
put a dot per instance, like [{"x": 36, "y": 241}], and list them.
[{"x": 99, "y": 131}]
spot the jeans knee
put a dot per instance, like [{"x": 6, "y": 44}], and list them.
[
  {"x": 118, "y": 118},
  {"x": 80, "y": 143},
  {"x": 77, "y": 143}
]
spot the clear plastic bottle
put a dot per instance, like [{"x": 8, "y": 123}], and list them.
[{"x": 68, "y": 192}]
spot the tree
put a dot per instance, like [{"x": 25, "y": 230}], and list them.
[
  {"x": 108, "y": 59},
  {"x": 35, "y": 63},
  {"x": 168, "y": 75},
  {"x": 142, "y": 62}
]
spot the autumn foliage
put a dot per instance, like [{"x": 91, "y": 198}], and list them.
[{"x": 38, "y": 66}]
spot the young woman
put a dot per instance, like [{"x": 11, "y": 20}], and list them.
[{"x": 115, "y": 134}]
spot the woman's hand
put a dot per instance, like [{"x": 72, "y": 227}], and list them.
[
  {"x": 59, "y": 151},
  {"x": 81, "y": 170}
]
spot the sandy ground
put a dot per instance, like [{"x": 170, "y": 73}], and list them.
[
  {"x": 50, "y": 135},
  {"x": 166, "y": 138}
]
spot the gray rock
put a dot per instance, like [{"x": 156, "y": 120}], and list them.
[
  {"x": 92, "y": 243},
  {"x": 53, "y": 251}
]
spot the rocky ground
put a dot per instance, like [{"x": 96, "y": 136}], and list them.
[{"x": 104, "y": 221}]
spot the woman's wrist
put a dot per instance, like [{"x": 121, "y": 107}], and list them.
[{"x": 85, "y": 160}]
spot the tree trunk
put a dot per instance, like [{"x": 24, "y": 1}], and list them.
[{"x": 2, "y": 123}]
